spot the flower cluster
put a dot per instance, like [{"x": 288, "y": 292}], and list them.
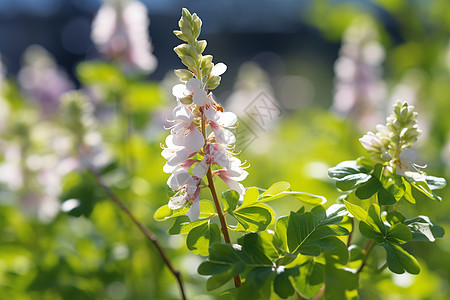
[
  {"x": 120, "y": 30},
  {"x": 39, "y": 71},
  {"x": 392, "y": 142},
  {"x": 199, "y": 137},
  {"x": 359, "y": 89}
]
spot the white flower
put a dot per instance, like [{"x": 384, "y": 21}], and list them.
[
  {"x": 120, "y": 30},
  {"x": 371, "y": 142},
  {"x": 174, "y": 154},
  {"x": 188, "y": 192},
  {"x": 408, "y": 167},
  {"x": 193, "y": 89},
  {"x": 218, "y": 69},
  {"x": 232, "y": 182},
  {"x": 217, "y": 154},
  {"x": 218, "y": 120},
  {"x": 184, "y": 132}
]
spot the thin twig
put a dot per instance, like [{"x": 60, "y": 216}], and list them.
[
  {"x": 367, "y": 249},
  {"x": 321, "y": 292},
  {"x": 150, "y": 235}
]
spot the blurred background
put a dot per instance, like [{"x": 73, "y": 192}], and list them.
[{"x": 86, "y": 82}]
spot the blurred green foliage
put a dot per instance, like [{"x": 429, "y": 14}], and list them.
[{"x": 93, "y": 251}]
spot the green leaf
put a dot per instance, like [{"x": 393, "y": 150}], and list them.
[
  {"x": 344, "y": 169},
  {"x": 252, "y": 245},
  {"x": 270, "y": 244},
  {"x": 310, "y": 280},
  {"x": 340, "y": 283},
  {"x": 357, "y": 212},
  {"x": 334, "y": 249},
  {"x": 398, "y": 234},
  {"x": 304, "y": 197},
  {"x": 276, "y": 189},
  {"x": 235, "y": 257},
  {"x": 183, "y": 225},
  {"x": 164, "y": 212},
  {"x": 281, "y": 230},
  {"x": 210, "y": 268},
  {"x": 370, "y": 232},
  {"x": 255, "y": 217},
  {"x": 305, "y": 228},
  {"x": 394, "y": 217},
  {"x": 250, "y": 197},
  {"x": 399, "y": 260},
  {"x": 230, "y": 200},
  {"x": 349, "y": 175},
  {"x": 281, "y": 189},
  {"x": 368, "y": 189},
  {"x": 220, "y": 279},
  {"x": 258, "y": 284},
  {"x": 282, "y": 284},
  {"x": 420, "y": 189},
  {"x": 435, "y": 183},
  {"x": 201, "y": 237},
  {"x": 385, "y": 197},
  {"x": 423, "y": 229},
  {"x": 408, "y": 192},
  {"x": 352, "y": 181}
]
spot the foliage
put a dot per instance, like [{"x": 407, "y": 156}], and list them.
[{"x": 284, "y": 243}]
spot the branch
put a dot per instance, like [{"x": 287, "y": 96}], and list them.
[
  {"x": 366, "y": 251},
  {"x": 150, "y": 235}
]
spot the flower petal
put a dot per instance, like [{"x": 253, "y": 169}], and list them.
[
  {"x": 223, "y": 136},
  {"x": 212, "y": 114},
  {"x": 180, "y": 91},
  {"x": 178, "y": 179},
  {"x": 194, "y": 140},
  {"x": 200, "y": 169},
  {"x": 183, "y": 113},
  {"x": 232, "y": 184},
  {"x": 177, "y": 202},
  {"x": 200, "y": 97},
  {"x": 227, "y": 119},
  {"x": 193, "y": 84},
  {"x": 218, "y": 69},
  {"x": 194, "y": 211}
]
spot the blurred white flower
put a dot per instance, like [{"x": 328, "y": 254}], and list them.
[
  {"x": 359, "y": 89},
  {"x": 120, "y": 31},
  {"x": 42, "y": 80}
]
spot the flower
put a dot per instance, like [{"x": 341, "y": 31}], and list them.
[
  {"x": 188, "y": 192},
  {"x": 192, "y": 89},
  {"x": 200, "y": 143},
  {"x": 407, "y": 166},
  {"x": 120, "y": 30},
  {"x": 184, "y": 132},
  {"x": 43, "y": 80},
  {"x": 359, "y": 88},
  {"x": 373, "y": 144}
]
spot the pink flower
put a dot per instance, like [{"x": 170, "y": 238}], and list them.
[{"x": 120, "y": 30}]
